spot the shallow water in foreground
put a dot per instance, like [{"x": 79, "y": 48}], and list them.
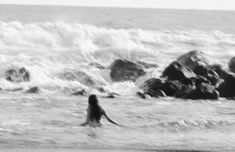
[
  {"x": 57, "y": 44},
  {"x": 52, "y": 121}
]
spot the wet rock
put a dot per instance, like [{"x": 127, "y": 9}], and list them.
[
  {"x": 160, "y": 93},
  {"x": 147, "y": 65},
  {"x": 192, "y": 59},
  {"x": 183, "y": 91},
  {"x": 25, "y": 74},
  {"x": 157, "y": 88},
  {"x": 111, "y": 95},
  {"x": 176, "y": 71},
  {"x": 200, "y": 89},
  {"x": 97, "y": 65},
  {"x": 80, "y": 93},
  {"x": 14, "y": 89},
  {"x": 80, "y": 76},
  {"x": 152, "y": 87},
  {"x": 226, "y": 88},
  {"x": 204, "y": 92},
  {"x": 101, "y": 89},
  {"x": 32, "y": 90},
  {"x": 207, "y": 73},
  {"x": 17, "y": 75},
  {"x": 114, "y": 94},
  {"x": 223, "y": 74},
  {"x": 188, "y": 81},
  {"x": 141, "y": 95},
  {"x": 231, "y": 65},
  {"x": 199, "y": 80},
  {"x": 123, "y": 70},
  {"x": 170, "y": 88}
]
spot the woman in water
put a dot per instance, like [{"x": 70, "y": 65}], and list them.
[{"x": 95, "y": 112}]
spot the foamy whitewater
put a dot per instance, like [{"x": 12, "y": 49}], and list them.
[{"x": 57, "y": 46}]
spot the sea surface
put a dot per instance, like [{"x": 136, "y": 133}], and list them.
[{"x": 57, "y": 44}]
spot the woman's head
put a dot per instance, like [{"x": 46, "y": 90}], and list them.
[
  {"x": 96, "y": 110},
  {"x": 93, "y": 101}
]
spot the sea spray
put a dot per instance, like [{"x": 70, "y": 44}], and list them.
[{"x": 50, "y": 49}]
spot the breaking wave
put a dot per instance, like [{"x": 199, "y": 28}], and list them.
[{"x": 58, "y": 54}]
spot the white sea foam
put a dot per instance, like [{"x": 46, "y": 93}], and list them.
[{"x": 50, "y": 49}]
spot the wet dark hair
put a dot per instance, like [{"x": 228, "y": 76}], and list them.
[{"x": 96, "y": 110}]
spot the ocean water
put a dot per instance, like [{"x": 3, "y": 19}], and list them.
[{"x": 57, "y": 44}]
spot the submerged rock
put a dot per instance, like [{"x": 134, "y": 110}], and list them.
[
  {"x": 231, "y": 65},
  {"x": 80, "y": 93},
  {"x": 111, "y": 95},
  {"x": 17, "y": 75},
  {"x": 141, "y": 95},
  {"x": 101, "y": 89},
  {"x": 33, "y": 90},
  {"x": 81, "y": 77},
  {"x": 124, "y": 70},
  {"x": 97, "y": 65}
]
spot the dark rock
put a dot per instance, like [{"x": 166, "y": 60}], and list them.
[
  {"x": 203, "y": 92},
  {"x": 80, "y": 93},
  {"x": 209, "y": 74},
  {"x": 17, "y": 75},
  {"x": 160, "y": 93},
  {"x": 199, "y": 80},
  {"x": 231, "y": 65},
  {"x": 192, "y": 59},
  {"x": 111, "y": 95},
  {"x": 97, "y": 65},
  {"x": 141, "y": 95},
  {"x": 114, "y": 94},
  {"x": 14, "y": 90},
  {"x": 33, "y": 90},
  {"x": 200, "y": 89},
  {"x": 25, "y": 74},
  {"x": 188, "y": 81},
  {"x": 147, "y": 65},
  {"x": 157, "y": 88},
  {"x": 183, "y": 91},
  {"x": 176, "y": 71},
  {"x": 101, "y": 89},
  {"x": 223, "y": 74},
  {"x": 196, "y": 62},
  {"x": 170, "y": 88},
  {"x": 123, "y": 70},
  {"x": 226, "y": 88},
  {"x": 152, "y": 87}
]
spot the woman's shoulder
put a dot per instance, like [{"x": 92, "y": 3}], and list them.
[{"x": 102, "y": 110}]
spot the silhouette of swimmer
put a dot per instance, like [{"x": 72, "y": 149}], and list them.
[{"x": 95, "y": 112}]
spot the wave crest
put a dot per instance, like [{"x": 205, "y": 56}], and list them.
[{"x": 47, "y": 49}]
